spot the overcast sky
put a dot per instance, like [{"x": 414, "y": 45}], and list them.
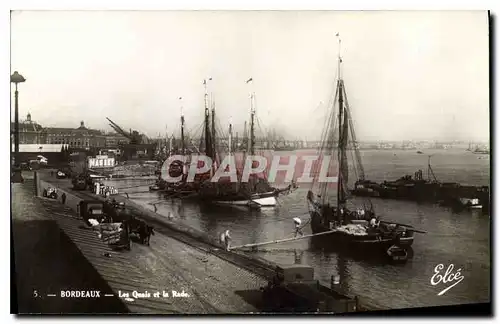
[{"x": 408, "y": 75}]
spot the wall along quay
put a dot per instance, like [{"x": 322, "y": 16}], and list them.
[{"x": 199, "y": 240}]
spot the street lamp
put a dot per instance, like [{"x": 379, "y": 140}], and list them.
[{"x": 16, "y": 176}]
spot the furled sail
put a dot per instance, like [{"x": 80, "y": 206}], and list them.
[
  {"x": 343, "y": 139},
  {"x": 344, "y": 172}
]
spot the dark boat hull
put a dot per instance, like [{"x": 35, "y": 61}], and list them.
[
  {"x": 266, "y": 199},
  {"x": 359, "y": 253},
  {"x": 262, "y": 199},
  {"x": 448, "y": 194},
  {"x": 368, "y": 242}
]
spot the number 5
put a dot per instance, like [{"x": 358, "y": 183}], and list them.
[{"x": 35, "y": 293}]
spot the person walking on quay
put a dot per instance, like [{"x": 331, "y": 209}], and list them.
[
  {"x": 226, "y": 239},
  {"x": 298, "y": 228},
  {"x": 222, "y": 238},
  {"x": 126, "y": 232},
  {"x": 63, "y": 198}
]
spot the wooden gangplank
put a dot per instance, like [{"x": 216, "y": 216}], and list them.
[{"x": 281, "y": 240}]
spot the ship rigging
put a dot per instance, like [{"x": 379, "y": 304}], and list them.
[{"x": 349, "y": 225}]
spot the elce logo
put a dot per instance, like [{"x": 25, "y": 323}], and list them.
[{"x": 448, "y": 277}]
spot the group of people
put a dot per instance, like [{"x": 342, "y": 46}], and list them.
[
  {"x": 50, "y": 193},
  {"x": 103, "y": 190},
  {"x": 360, "y": 213}
]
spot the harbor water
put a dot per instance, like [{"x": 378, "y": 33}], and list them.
[{"x": 461, "y": 240}]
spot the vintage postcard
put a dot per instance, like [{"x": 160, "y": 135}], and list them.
[{"x": 250, "y": 162}]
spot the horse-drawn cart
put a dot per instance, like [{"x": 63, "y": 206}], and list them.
[
  {"x": 95, "y": 215},
  {"x": 116, "y": 235}
]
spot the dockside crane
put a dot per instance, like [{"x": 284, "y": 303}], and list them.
[{"x": 133, "y": 136}]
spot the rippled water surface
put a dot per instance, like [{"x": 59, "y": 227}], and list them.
[{"x": 460, "y": 239}]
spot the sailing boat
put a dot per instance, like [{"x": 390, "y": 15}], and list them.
[
  {"x": 254, "y": 193},
  {"x": 480, "y": 150},
  {"x": 344, "y": 226},
  {"x": 160, "y": 184},
  {"x": 177, "y": 167}
]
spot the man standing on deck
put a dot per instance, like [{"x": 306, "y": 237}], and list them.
[
  {"x": 341, "y": 216},
  {"x": 374, "y": 222}
]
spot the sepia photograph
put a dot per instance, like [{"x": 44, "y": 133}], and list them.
[{"x": 250, "y": 162}]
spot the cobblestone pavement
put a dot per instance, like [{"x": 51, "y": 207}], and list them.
[
  {"x": 214, "y": 281},
  {"x": 213, "y": 285},
  {"x": 46, "y": 262}
]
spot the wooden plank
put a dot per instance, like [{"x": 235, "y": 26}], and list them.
[{"x": 281, "y": 240}]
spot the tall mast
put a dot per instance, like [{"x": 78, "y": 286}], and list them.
[
  {"x": 340, "y": 199},
  {"x": 245, "y": 136},
  {"x": 339, "y": 58},
  {"x": 252, "y": 119},
  {"x": 340, "y": 194},
  {"x": 166, "y": 140},
  {"x": 207, "y": 122},
  {"x": 230, "y": 140},
  {"x": 213, "y": 127},
  {"x": 252, "y": 126},
  {"x": 183, "y": 145},
  {"x": 171, "y": 144}
]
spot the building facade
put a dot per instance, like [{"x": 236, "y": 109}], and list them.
[
  {"x": 30, "y": 132},
  {"x": 115, "y": 140},
  {"x": 81, "y": 137}
]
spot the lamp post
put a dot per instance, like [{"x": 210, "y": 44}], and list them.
[{"x": 16, "y": 176}]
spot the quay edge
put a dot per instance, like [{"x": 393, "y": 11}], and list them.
[{"x": 180, "y": 232}]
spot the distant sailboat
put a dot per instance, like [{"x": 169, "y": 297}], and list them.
[{"x": 480, "y": 151}]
